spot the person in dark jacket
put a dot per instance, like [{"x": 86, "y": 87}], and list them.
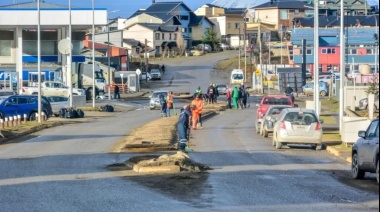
[
  {"x": 116, "y": 92},
  {"x": 240, "y": 98},
  {"x": 211, "y": 94},
  {"x": 289, "y": 92},
  {"x": 183, "y": 127},
  {"x": 163, "y": 104},
  {"x": 245, "y": 98}
]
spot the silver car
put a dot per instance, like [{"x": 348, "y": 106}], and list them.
[
  {"x": 57, "y": 103},
  {"x": 273, "y": 112},
  {"x": 365, "y": 152},
  {"x": 156, "y": 74},
  {"x": 155, "y": 99},
  {"x": 297, "y": 126}
]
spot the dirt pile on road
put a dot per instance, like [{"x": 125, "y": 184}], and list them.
[{"x": 180, "y": 159}]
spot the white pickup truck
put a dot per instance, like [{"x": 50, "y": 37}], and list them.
[{"x": 52, "y": 89}]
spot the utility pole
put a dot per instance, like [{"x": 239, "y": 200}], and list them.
[
  {"x": 109, "y": 60},
  {"x": 93, "y": 55},
  {"x": 316, "y": 56},
  {"x": 261, "y": 55},
  {"x": 239, "y": 49},
  {"x": 245, "y": 53},
  {"x": 281, "y": 42},
  {"x": 342, "y": 66},
  {"x": 39, "y": 62},
  {"x": 146, "y": 56}
]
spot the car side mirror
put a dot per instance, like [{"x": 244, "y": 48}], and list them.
[
  {"x": 321, "y": 121},
  {"x": 361, "y": 134},
  {"x": 296, "y": 105}
]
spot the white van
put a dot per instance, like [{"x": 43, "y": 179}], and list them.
[{"x": 237, "y": 76}]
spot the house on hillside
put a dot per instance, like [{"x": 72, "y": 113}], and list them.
[
  {"x": 352, "y": 7},
  {"x": 169, "y": 15}
]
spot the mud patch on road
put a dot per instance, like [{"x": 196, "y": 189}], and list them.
[{"x": 368, "y": 184}]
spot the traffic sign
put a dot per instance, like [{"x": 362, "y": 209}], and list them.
[
  {"x": 257, "y": 72},
  {"x": 138, "y": 71}
]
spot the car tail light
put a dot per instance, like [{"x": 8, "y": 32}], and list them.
[
  {"x": 319, "y": 126},
  {"x": 282, "y": 125}
]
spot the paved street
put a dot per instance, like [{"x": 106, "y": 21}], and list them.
[{"x": 65, "y": 168}]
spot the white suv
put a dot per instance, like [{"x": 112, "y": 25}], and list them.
[{"x": 155, "y": 74}]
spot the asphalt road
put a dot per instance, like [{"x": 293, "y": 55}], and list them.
[{"x": 66, "y": 168}]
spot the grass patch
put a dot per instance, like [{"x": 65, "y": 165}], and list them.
[
  {"x": 328, "y": 120},
  {"x": 330, "y": 104},
  {"x": 342, "y": 147},
  {"x": 332, "y": 138}
]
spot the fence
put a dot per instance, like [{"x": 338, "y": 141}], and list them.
[{"x": 123, "y": 88}]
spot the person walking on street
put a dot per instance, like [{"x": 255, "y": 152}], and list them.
[
  {"x": 229, "y": 98},
  {"x": 289, "y": 92},
  {"x": 116, "y": 94},
  {"x": 197, "y": 112},
  {"x": 240, "y": 101},
  {"x": 163, "y": 68},
  {"x": 216, "y": 93},
  {"x": 235, "y": 97},
  {"x": 183, "y": 127},
  {"x": 245, "y": 98},
  {"x": 169, "y": 100},
  {"x": 199, "y": 90},
  {"x": 210, "y": 93},
  {"x": 163, "y": 104}
]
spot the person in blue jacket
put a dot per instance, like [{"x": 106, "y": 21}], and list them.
[{"x": 183, "y": 127}]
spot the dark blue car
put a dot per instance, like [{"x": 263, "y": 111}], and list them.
[{"x": 20, "y": 105}]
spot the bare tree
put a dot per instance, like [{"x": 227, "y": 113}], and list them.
[{"x": 180, "y": 43}]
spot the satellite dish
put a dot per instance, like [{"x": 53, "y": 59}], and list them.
[{"x": 64, "y": 46}]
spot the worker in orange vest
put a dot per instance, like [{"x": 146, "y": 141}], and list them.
[
  {"x": 197, "y": 111},
  {"x": 169, "y": 99}
]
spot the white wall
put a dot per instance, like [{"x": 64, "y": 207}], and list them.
[
  {"x": 143, "y": 18},
  {"x": 220, "y": 26},
  {"x": 116, "y": 38}
]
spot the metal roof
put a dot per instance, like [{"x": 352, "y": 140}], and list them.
[
  {"x": 32, "y": 5},
  {"x": 161, "y": 10},
  {"x": 285, "y": 4},
  {"x": 334, "y": 21}
]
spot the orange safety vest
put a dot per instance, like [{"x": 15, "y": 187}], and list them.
[
  {"x": 199, "y": 105},
  {"x": 169, "y": 98}
]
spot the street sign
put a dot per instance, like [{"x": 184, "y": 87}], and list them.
[
  {"x": 138, "y": 72},
  {"x": 257, "y": 72}
]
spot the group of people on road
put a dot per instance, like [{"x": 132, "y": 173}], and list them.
[
  {"x": 167, "y": 104},
  {"x": 237, "y": 98},
  {"x": 211, "y": 96},
  {"x": 189, "y": 118}
]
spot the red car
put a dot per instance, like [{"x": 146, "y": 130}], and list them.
[{"x": 268, "y": 101}]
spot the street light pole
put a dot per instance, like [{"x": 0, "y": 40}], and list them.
[
  {"x": 39, "y": 61},
  {"x": 109, "y": 61},
  {"x": 342, "y": 66},
  {"x": 239, "y": 50},
  {"x": 376, "y": 46},
  {"x": 316, "y": 56},
  {"x": 93, "y": 54},
  {"x": 69, "y": 61}
]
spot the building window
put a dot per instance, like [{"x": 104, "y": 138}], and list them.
[
  {"x": 184, "y": 17},
  {"x": 229, "y": 25},
  {"x": 370, "y": 51},
  {"x": 296, "y": 12},
  {"x": 158, "y": 49},
  {"x": 309, "y": 52},
  {"x": 190, "y": 30},
  {"x": 170, "y": 36},
  {"x": 184, "y": 30},
  {"x": 175, "y": 36},
  {"x": 137, "y": 50},
  {"x": 324, "y": 51},
  {"x": 353, "y": 51},
  {"x": 237, "y": 26},
  {"x": 301, "y": 52},
  {"x": 284, "y": 14},
  {"x": 157, "y": 36},
  {"x": 5, "y": 48},
  {"x": 163, "y": 36},
  {"x": 246, "y": 20},
  {"x": 328, "y": 51}
]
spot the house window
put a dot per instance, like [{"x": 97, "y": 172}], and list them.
[
  {"x": 246, "y": 20},
  {"x": 175, "y": 36},
  {"x": 158, "y": 49},
  {"x": 170, "y": 36},
  {"x": 301, "y": 52},
  {"x": 163, "y": 36},
  {"x": 137, "y": 50},
  {"x": 237, "y": 26},
  {"x": 309, "y": 52},
  {"x": 324, "y": 51},
  {"x": 157, "y": 36},
  {"x": 328, "y": 51},
  {"x": 297, "y": 12},
  {"x": 190, "y": 30},
  {"x": 184, "y": 18},
  {"x": 184, "y": 30},
  {"x": 229, "y": 25},
  {"x": 5, "y": 47},
  {"x": 370, "y": 51},
  {"x": 284, "y": 14},
  {"x": 353, "y": 51}
]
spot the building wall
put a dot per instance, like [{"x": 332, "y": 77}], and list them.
[
  {"x": 7, "y": 46},
  {"x": 181, "y": 11},
  {"x": 220, "y": 26},
  {"x": 143, "y": 18},
  {"x": 116, "y": 38},
  {"x": 267, "y": 15},
  {"x": 199, "y": 31},
  {"x": 232, "y": 22}
]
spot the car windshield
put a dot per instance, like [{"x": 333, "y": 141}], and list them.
[
  {"x": 277, "y": 101},
  {"x": 2, "y": 99},
  {"x": 156, "y": 95},
  {"x": 237, "y": 76},
  {"x": 275, "y": 111},
  {"x": 301, "y": 118}
]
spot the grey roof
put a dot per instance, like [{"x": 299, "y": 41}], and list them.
[
  {"x": 285, "y": 4},
  {"x": 160, "y": 27},
  {"x": 161, "y": 10},
  {"x": 154, "y": 27},
  {"x": 238, "y": 3},
  {"x": 132, "y": 42},
  {"x": 334, "y": 21},
  {"x": 29, "y": 5}
]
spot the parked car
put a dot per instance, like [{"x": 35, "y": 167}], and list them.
[
  {"x": 309, "y": 76},
  {"x": 22, "y": 104},
  {"x": 273, "y": 112},
  {"x": 205, "y": 47},
  {"x": 297, "y": 126},
  {"x": 155, "y": 100},
  {"x": 363, "y": 103},
  {"x": 365, "y": 152},
  {"x": 224, "y": 46},
  {"x": 327, "y": 78},
  {"x": 222, "y": 89},
  {"x": 156, "y": 74},
  {"x": 49, "y": 88},
  {"x": 57, "y": 103},
  {"x": 308, "y": 89},
  {"x": 266, "y": 102},
  {"x": 7, "y": 93}
]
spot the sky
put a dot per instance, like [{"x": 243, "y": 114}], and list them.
[{"x": 117, "y": 8}]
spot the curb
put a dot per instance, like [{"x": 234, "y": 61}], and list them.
[{"x": 337, "y": 153}]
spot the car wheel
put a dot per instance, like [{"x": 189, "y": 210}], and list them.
[
  {"x": 377, "y": 172},
  {"x": 278, "y": 145},
  {"x": 265, "y": 133},
  {"x": 323, "y": 93},
  {"x": 356, "y": 172},
  {"x": 33, "y": 116}
]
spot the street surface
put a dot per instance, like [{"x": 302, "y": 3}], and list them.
[{"x": 66, "y": 168}]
